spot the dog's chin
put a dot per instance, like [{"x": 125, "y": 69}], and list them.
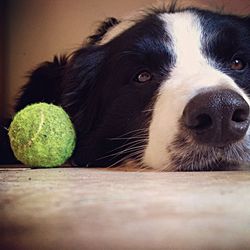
[
  {"x": 212, "y": 163},
  {"x": 216, "y": 166},
  {"x": 186, "y": 155}
]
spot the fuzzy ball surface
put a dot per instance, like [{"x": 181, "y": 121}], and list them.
[{"x": 42, "y": 135}]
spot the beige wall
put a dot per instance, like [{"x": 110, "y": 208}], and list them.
[
  {"x": 38, "y": 29},
  {"x": 2, "y": 64}
]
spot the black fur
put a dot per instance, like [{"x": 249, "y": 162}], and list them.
[
  {"x": 6, "y": 154},
  {"x": 113, "y": 101},
  {"x": 102, "y": 30},
  {"x": 44, "y": 84}
]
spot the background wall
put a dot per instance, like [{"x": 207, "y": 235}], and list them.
[
  {"x": 2, "y": 61},
  {"x": 38, "y": 29}
]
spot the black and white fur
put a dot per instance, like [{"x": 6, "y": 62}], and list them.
[{"x": 120, "y": 115}]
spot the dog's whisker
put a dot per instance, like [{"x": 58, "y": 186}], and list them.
[
  {"x": 148, "y": 110},
  {"x": 132, "y": 143},
  {"x": 127, "y": 138},
  {"x": 133, "y": 131},
  {"x": 127, "y": 157},
  {"x": 126, "y": 151},
  {"x": 6, "y": 128},
  {"x": 114, "y": 155}
]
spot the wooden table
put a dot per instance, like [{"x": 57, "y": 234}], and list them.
[{"x": 77, "y": 208}]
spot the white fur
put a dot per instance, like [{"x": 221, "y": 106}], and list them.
[{"x": 191, "y": 74}]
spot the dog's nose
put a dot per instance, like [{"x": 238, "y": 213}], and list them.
[{"x": 217, "y": 117}]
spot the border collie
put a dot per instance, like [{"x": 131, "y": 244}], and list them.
[{"x": 168, "y": 89}]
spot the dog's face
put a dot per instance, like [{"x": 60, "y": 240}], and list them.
[{"x": 168, "y": 90}]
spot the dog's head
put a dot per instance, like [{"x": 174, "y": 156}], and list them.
[{"x": 168, "y": 89}]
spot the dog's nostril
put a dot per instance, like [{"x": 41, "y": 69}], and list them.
[
  {"x": 240, "y": 115},
  {"x": 203, "y": 121}
]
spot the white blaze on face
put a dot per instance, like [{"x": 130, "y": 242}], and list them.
[{"x": 191, "y": 74}]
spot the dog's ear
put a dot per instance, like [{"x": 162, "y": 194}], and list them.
[
  {"x": 102, "y": 30},
  {"x": 43, "y": 83},
  {"x": 7, "y": 155},
  {"x": 246, "y": 20},
  {"x": 81, "y": 89}
]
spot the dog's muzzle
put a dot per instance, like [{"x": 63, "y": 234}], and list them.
[{"x": 217, "y": 117}]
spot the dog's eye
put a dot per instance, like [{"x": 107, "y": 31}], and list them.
[
  {"x": 143, "y": 77},
  {"x": 237, "y": 64}
]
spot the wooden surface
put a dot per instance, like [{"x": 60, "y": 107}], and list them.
[{"x": 108, "y": 209}]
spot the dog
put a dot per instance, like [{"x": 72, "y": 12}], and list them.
[{"x": 168, "y": 89}]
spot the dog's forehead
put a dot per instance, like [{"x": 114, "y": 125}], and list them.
[
  {"x": 133, "y": 29},
  {"x": 190, "y": 21},
  {"x": 184, "y": 30},
  {"x": 168, "y": 21}
]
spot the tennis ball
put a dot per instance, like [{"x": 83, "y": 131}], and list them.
[{"x": 42, "y": 135}]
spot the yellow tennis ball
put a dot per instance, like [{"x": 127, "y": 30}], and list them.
[{"x": 42, "y": 135}]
